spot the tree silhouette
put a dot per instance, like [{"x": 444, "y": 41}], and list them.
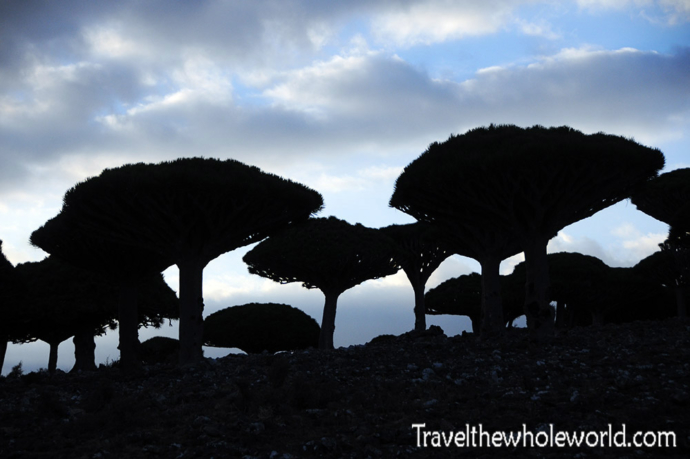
[
  {"x": 627, "y": 296},
  {"x": 420, "y": 252},
  {"x": 665, "y": 197},
  {"x": 452, "y": 202},
  {"x": 679, "y": 233},
  {"x": 575, "y": 279},
  {"x": 62, "y": 301},
  {"x": 463, "y": 296},
  {"x": 258, "y": 327},
  {"x": 62, "y": 237},
  {"x": 10, "y": 302},
  {"x": 525, "y": 185},
  {"x": 160, "y": 349},
  {"x": 669, "y": 267},
  {"x": 325, "y": 253},
  {"x": 190, "y": 210}
]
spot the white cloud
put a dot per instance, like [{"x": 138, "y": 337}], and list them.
[
  {"x": 508, "y": 265},
  {"x": 320, "y": 86},
  {"x": 381, "y": 173},
  {"x": 440, "y": 20},
  {"x": 584, "y": 245},
  {"x": 451, "y": 267},
  {"x": 637, "y": 244},
  {"x": 613, "y": 4},
  {"x": 222, "y": 288},
  {"x": 321, "y": 178},
  {"x": 109, "y": 41},
  {"x": 339, "y": 184},
  {"x": 671, "y": 12},
  {"x": 677, "y": 11},
  {"x": 539, "y": 28}
]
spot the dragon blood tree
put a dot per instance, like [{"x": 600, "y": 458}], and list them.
[
  {"x": 325, "y": 253},
  {"x": 447, "y": 194},
  {"x": 462, "y": 296},
  {"x": 420, "y": 251},
  {"x": 670, "y": 267},
  {"x": 190, "y": 211},
  {"x": 63, "y": 301},
  {"x": 679, "y": 233},
  {"x": 10, "y": 302},
  {"x": 63, "y": 238},
  {"x": 258, "y": 327},
  {"x": 575, "y": 280},
  {"x": 504, "y": 187},
  {"x": 665, "y": 197}
]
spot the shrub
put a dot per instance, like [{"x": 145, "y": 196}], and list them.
[{"x": 258, "y": 327}]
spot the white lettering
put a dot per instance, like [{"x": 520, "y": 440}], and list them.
[
  {"x": 527, "y": 439},
  {"x": 419, "y": 428}
]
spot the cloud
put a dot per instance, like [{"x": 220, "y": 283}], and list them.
[
  {"x": 670, "y": 12},
  {"x": 626, "y": 91},
  {"x": 362, "y": 180},
  {"x": 441, "y": 20},
  {"x": 508, "y": 265},
  {"x": 451, "y": 267},
  {"x": 636, "y": 244},
  {"x": 539, "y": 28},
  {"x": 563, "y": 242},
  {"x": 112, "y": 79},
  {"x": 627, "y": 249}
]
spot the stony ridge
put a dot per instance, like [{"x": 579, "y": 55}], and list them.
[{"x": 362, "y": 401}]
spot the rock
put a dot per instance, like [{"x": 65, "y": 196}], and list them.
[{"x": 361, "y": 401}]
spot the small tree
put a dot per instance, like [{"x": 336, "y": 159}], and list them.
[
  {"x": 62, "y": 301},
  {"x": 160, "y": 349},
  {"x": 190, "y": 210},
  {"x": 575, "y": 281},
  {"x": 258, "y": 327},
  {"x": 504, "y": 183},
  {"x": 62, "y": 237},
  {"x": 463, "y": 296},
  {"x": 628, "y": 296},
  {"x": 10, "y": 301},
  {"x": 420, "y": 252},
  {"x": 325, "y": 253},
  {"x": 670, "y": 267}
]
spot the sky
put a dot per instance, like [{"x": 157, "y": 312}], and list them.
[{"x": 339, "y": 96}]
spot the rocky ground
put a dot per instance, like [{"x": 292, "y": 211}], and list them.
[{"x": 362, "y": 401}]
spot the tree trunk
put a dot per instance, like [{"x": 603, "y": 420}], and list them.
[
  {"x": 328, "y": 320},
  {"x": 128, "y": 319},
  {"x": 597, "y": 318},
  {"x": 476, "y": 324},
  {"x": 540, "y": 314},
  {"x": 52, "y": 357},
  {"x": 84, "y": 351},
  {"x": 560, "y": 314},
  {"x": 414, "y": 277},
  {"x": 191, "y": 312},
  {"x": 492, "y": 307},
  {"x": 419, "y": 307},
  {"x": 3, "y": 351},
  {"x": 680, "y": 301}
]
